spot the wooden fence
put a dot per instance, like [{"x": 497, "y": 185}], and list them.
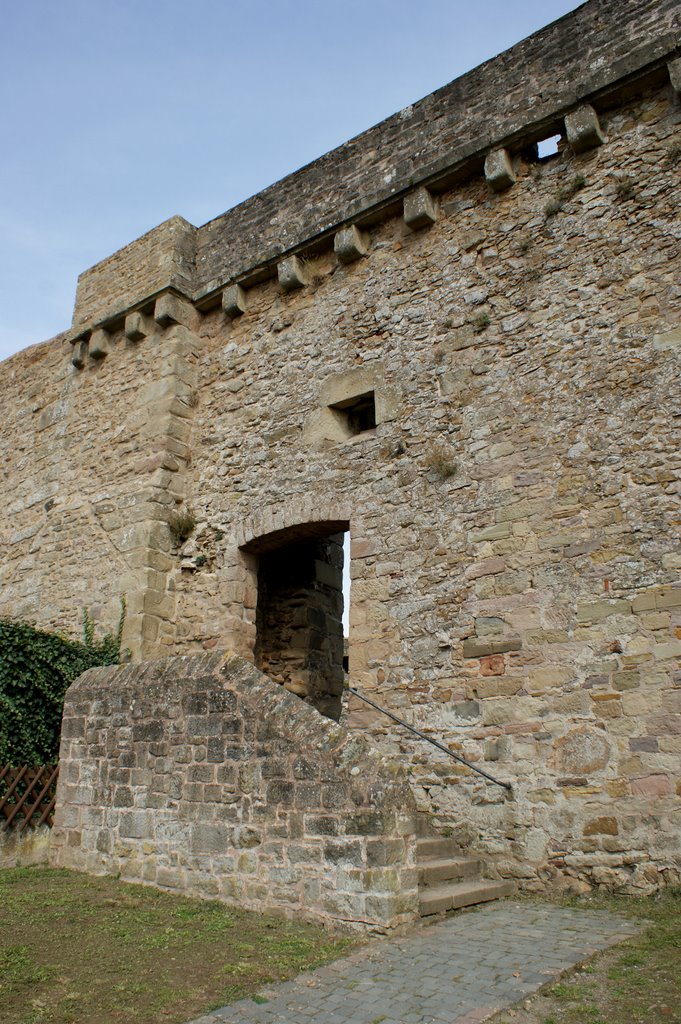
[{"x": 27, "y": 796}]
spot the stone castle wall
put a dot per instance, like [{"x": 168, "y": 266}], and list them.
[
  {"x": 513, "y": 513},
  {"x": 201, "y": 775}
]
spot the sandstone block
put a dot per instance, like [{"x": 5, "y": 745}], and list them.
[
  {"x": 79, "y": 353},
  {"x": 595, "y": 611},
  {"x": 100, "y": 343},
  {"x": 234, "y": 300},
  {"x": 292, "y": 273},
  {"x": 583, "y": 129},
  {"x": 652, "y": 785},
  {"x": 420, "y": 209},
  {"x": 499, "y": 171},
  {"x": 670, "y": 339},
  {"x": 350, "y": 244},
  {"x": 172, "y": 309},
  {"x": 493, "y": 665},
  {"x": 474, "y": 648},
  {"x": 601, "y": 826},
  {"x": 138, "y": 326},
  {"x": 582, "y": 751}
]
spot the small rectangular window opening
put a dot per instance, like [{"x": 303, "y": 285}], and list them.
[
  {"x": 357, "y": 414},
  {"x": 548, "y": 147}
]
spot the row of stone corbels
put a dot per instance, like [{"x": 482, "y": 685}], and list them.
[
  {"x": 169, "y": 309},
  {"x": 582, "y": 130},
  {"x": 420, "y": 210}
]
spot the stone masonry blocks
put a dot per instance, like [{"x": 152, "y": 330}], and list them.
[
  {"x": 260, "y": 781},
  {"x": 234, "y": 300},
  {"x": 583, "y": 129},
  {"x": 350, "y": 244},
  {"x": 420, "y": 209},
  {"x": 499, "y": 171},
  {"x": 292, "y": 273}
]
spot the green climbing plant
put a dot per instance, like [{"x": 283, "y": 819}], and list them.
[{"x": 36, "y": 669}]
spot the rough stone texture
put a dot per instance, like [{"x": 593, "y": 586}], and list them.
[
  {"x": 292, "y": 274},
  {"x": 200, "y": 774},
  {"x": 94, "y": 465},
  {"x": 24, "y": 849},
  {"x": 163, "y": 258},
  {"x": 514, "y": 511},
  {"x": 234, "y": 300}
]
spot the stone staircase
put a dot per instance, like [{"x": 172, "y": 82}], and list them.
[{"x": 448, "y": 879}]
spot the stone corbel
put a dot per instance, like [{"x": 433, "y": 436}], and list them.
[
  {"x": 499, "y": 171},
  {"x": 583, "y": 129},
  {"x": 420, "y": 209},
  {"x": 100, "y": 343},
  {"x": 292, "y": 273},
  {"x": 79, "y": 351},
  {"x": 674, "y": 68},
  {"x": 138, "y": 326},
  {"x": 350, "y": 244},
  {"x": 172, "y": 309},
  {"x": 234, "y": 300}
]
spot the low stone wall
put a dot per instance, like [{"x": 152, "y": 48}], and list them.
[
  {"x": 200, "y": 774},
  {"x": 24, "y": 849}
]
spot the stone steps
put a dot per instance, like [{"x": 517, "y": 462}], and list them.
[{"x": 448, "y": 880}]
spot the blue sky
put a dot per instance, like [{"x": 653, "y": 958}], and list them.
[{"x": 116, "y": 114}]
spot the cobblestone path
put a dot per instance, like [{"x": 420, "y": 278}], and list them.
[{"x": 459, "y": 971}]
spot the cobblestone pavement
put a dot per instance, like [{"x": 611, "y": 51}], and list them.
[{"x": 459, "y": 971}]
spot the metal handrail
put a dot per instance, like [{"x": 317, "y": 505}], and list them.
[{"x": 429, "y": 739}]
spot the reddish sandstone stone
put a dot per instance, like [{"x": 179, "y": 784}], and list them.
[
  {"x": 652, "y": 785},
  {"x": 493, "y": 665}
]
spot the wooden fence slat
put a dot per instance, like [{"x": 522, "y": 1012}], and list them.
[
  {"x": 28, "y": 815},
  {"x": 46, "y": 816},
  {"x": 30, "y": 783},
  {"x": 4, "y": 801},
  {"x": 28, "y": 793}
]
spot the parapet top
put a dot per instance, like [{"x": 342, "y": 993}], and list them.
[{"x": 510, "y": 101}]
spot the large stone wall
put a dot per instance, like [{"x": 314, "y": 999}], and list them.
[
  {"x": 513, "y": 513},
  {"x": 199, "y": 774}
]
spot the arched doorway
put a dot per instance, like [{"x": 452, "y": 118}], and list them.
[{"x": 299, "y": 610}]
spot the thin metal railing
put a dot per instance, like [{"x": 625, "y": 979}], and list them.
[{"x": 429, "y": 739}]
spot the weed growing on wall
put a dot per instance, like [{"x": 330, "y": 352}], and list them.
[
  {"x": 36, "y": 669},
  {"x": 181, "y": 525}
]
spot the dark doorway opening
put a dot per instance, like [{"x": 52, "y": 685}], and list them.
[{"x": 299, "y": 616}]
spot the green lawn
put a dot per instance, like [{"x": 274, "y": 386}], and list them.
[{"x": 78, "y": 950}]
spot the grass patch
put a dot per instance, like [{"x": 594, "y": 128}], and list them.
[
  {"x": 637, "y": 982},
  {"x": 78, "y": 950}
]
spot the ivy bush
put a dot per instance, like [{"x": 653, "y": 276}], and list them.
[{"x": 36, "y": 669}]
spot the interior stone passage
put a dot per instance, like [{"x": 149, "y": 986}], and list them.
[{"x": 299, "y": 620}]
